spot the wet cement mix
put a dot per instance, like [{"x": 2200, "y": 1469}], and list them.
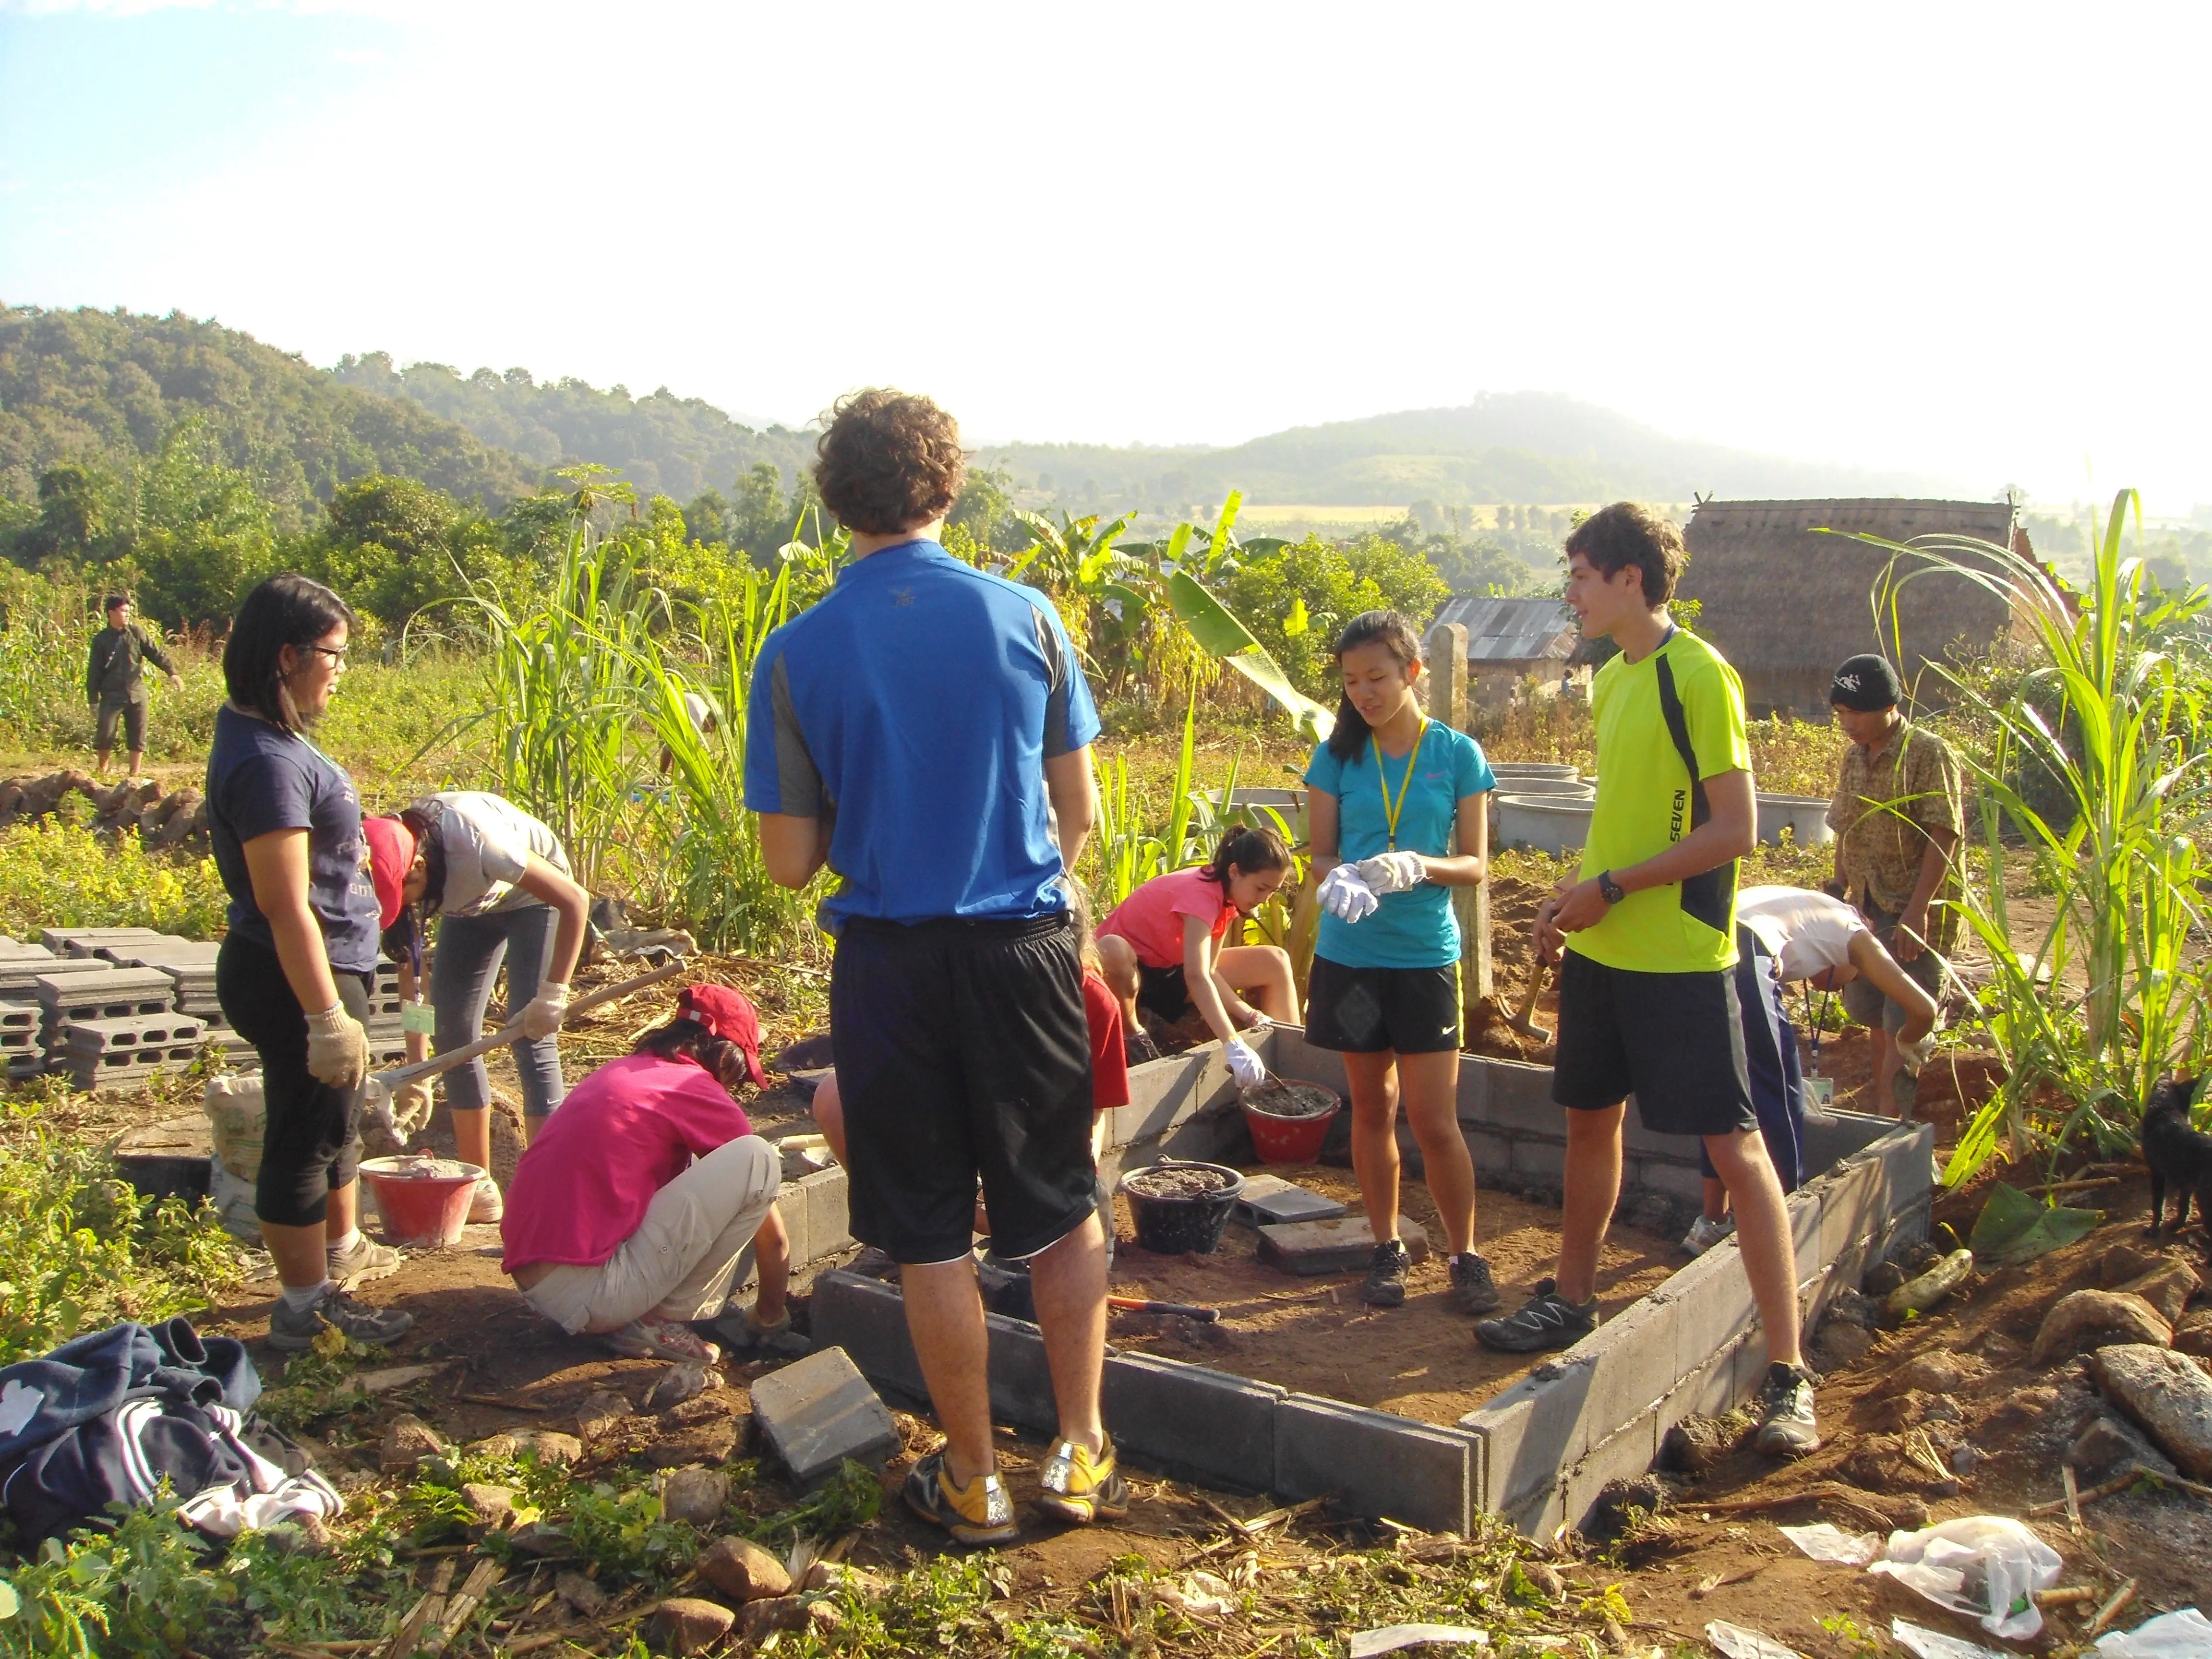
[{"x": 1315, "y": 1336}]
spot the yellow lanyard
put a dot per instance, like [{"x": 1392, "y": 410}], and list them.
[{"x": 1390, "y": 812}]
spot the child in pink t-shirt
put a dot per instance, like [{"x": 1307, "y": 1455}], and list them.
[{"x": 1161, "y": 948}]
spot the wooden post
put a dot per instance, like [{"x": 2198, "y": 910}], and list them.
[{"x": 1446, "y": 646}]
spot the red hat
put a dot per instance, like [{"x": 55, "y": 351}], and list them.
[
  {"x": 390, "y": 856},
  {"x": 729, "y": 1016}
]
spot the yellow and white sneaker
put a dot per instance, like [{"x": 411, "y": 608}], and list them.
[
  {"x": 1081, "y": 1486},
  {"x": 977, "y": 1513}
]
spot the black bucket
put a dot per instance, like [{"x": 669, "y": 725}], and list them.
[{"x": 1181, "y": 1225}]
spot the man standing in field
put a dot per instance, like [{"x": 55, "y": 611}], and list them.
[
  {"x": 1897, "y": 814},
  {"x": 115, "y": 682},
  {"x": 1647, "y": 992},
  {"x": 925, "y": 730}
]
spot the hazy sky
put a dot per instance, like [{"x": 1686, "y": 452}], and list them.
[{"x": 1965, "y": 240}]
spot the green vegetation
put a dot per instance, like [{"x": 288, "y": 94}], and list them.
[
  {"x": 58, "y": 874},
  {"x": 80, "y": 1248}
]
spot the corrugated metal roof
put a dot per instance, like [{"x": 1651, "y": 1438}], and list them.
[{"x": 1511, "y": 630}]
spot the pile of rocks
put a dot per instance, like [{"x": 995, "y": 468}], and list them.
[{"x": 173, "y": 817}]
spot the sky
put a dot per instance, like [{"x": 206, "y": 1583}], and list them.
[{"x": 1962, "y": 241}]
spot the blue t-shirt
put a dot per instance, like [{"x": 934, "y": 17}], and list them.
[
  {"x": 261, "y": 778},
  {"x": 915, "y": 706},
  {"x": 1415, "y": 928}
]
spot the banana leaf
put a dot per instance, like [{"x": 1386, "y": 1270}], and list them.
[
  {"x": 2014, "y": 1228},
  {"x": 1220, "y": 634}
]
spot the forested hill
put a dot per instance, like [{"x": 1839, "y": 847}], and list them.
[
  {"x": 677, "y": 447},
  {"x": 1502, "y": 446},
  {"x": 102, "y": 389}
]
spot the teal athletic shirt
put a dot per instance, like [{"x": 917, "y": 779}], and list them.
[
  {"x": 1415, "y": 928},
  {"x": 918, "y": 704}
]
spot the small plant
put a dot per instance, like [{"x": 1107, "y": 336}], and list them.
[
  {"x": 318, "y": 1382},
  {"x": 146, "y": 1587},
  {"x": 1856, "y": 1643},
  {"x": 54, "y": 873}
]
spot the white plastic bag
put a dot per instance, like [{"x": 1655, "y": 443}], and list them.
[
  {"x": 1740, "y": 1642},
  {"x": 1832, "y": 1544},
  {"x": 1934, "y": 1644},
  {"x": 1985, "y": 1566},
  {"x": 2184, "y": 1635}
]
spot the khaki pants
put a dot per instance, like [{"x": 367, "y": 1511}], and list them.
[{"x": 684, "y": 1256}]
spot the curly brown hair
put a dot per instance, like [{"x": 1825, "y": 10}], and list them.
[
  {"x": 888, "y": 461},
  {"x": 1629, "y": 532}
]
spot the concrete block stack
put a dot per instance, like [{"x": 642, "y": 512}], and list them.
[
  {"x": 191, "y": 964},
  {"x": 387, "y": 1042},
  {"x": 112, "y": 1053},
  {"x": 98, "y": 998},
  {"x": 106, "y": 1006},
  {"x": 21, "y": 1054},
  {"x": 94, "y": 942}
]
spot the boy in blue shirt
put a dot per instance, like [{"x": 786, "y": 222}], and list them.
[{"x": 925, "y": 730}]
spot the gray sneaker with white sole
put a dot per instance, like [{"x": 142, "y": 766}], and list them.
[{"x": 290, "y": 1332}]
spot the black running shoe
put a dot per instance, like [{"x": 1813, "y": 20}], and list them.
[
  {"x": 1472, "y": 1290},
  {"x": 1545, "y": 1320},
  {"x": 1786, "y": 1428},
  {"x": 1386, "y": 1276}
]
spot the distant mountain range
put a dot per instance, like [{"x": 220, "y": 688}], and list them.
[{"x": 103, "y": 387}]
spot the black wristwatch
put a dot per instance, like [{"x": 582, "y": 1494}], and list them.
[{"x": 1611, "y": 889}]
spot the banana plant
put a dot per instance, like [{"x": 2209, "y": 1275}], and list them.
[{"x": 1221, "y": 636}]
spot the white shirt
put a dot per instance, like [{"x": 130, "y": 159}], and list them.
[
  {"x": 487, "y": 841},
  {"x": 1806, "y": 931}
]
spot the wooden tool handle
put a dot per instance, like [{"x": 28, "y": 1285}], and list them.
[
  {"x": 1138, "y": 1304},
  {"x": 512, "y": 1033},
  {"x": 1538, "y": 978}
]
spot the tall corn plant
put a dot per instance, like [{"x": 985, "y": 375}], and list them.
[{"x": 2109, "y": 718}]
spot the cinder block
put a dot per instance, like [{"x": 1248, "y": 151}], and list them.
[
  {"x": 1310, "y": 1247},
  {"x": 1713, "y": 1307},
  {"x": 1193, "y": 1423},
  {"x": 1621, "y": 1455},
  {"x": 1535, "y": 1158},
  {"x": 1530, "y": 1433},
  {"x": 1804, "y": 1207},
  {"x": 819, "y": 1411},
  {"x": 1674, "y": 1177},
  {"x": 15, "y": 950},
  {"x": 1375, "y": 1464},
  {"x": 829, "y": 1226},
  {"x": 1021, "y": 1382},
  {"x": 1492, "y": 1153},
  {"x": 1850, "y": 1204},
  {"x": 791, "y": 1205},
  {"x": 147, "y": 1031},
  {"x": 867, "y": 1319},
  {"x": 1271, "y": 1202},
  {"x": 13, "y": 1042},
  {"x": 1833, "y": 1136},
  {"x": 104, "y": 993},
  {"x": 1634, "y": 1361},
  {"x": 19, "y": 976},
  {"x": 1706, "y": 1392},
  {"x": 19, "y": 1015},
  {"x": 1519, "y": 1098},
  {"x": 84, "y": 941}
]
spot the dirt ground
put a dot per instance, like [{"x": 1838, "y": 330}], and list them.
[{"x": 1314, "y": 1336}]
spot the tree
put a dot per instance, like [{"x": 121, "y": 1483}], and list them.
[
  {"x": 393, "y": 546},
  {"x": 72, "y": 516},
  {"x": 205, "y": 535},
  {"x": 1294, "y": 598},
  {"x": 707, "y": 518},
  {"x": 986, "y": 511},
  {"x": 760, "y": 519}
]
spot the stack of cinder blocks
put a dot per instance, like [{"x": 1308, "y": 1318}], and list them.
[
  {"x": 387, "y": 1041},
  {"x": 191, "y": 964},
  {"x": 106, "y": 1006}
]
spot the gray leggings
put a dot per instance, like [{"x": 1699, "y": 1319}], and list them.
[{"x": 470, "y": 951}]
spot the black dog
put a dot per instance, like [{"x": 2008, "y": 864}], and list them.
[{"x": 2176, "y": 1154}]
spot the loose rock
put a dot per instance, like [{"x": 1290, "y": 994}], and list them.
[
  {"x": 2122, "y": 1262},
  {"x": 554, "y": 1449},
  {"x": 2167, "y": 1394},
  {"x": 769, "y": 1614},
  {"x": 704, "y": 1408},
  {"x": 677, "y": 1384},
  {"x": 2194, "y": 1334},
  {"x": 493, "y": 1506},
  {"x": 538, "y": 1539},
  {"x": 601, "y": 1411},
  {"x": 407, "y": 1441},
  {"x": 740, "y": 1568},
  {"x": 685, "y": 1624},
  {"x": 1940, "y": 1370},
  {"x": 1695, "y": 1444},
  {"x": 2096, "y": 1319},
  {"x": 1545, "y": 1578},
  {"x": 499, "y": 1446},
  {"x": 1621, "y": 1503},
  {"x": 695, "y": 1496},
  {"x": 1883, "y": 1278},
  {"x": 2168, "y": 1287},
  {"x": 2111, "y": 1444},
  {"x": 580, "y": 1593}
]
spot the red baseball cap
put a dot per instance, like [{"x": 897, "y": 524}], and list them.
[
  {"x": 390, "y": 856},
  {"x": 729, "y": 1016}
]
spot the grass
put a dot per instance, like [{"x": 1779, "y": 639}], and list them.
[{"x": 56, "y": 873}]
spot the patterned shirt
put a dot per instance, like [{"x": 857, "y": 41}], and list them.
[{"x": 1886, "y": 799}]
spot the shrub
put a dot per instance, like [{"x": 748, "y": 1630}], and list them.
[{"x": 57, "y": 874}]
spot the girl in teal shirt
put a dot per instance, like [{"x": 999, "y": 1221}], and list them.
[{"x": 1398, "y": 817}]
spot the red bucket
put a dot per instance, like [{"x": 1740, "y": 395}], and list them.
[
  {"x": 1289, "y": 1121},
  {"x": 425, "y": 1202}
]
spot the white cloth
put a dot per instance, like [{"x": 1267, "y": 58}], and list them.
[
  {"x": 1808, "y": 931},
  {"x": 683, "y": 1258},
  {"x": 487, "y": 841}
]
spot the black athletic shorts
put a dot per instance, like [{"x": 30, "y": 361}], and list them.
[
  {"x": 1162, "y": 991},
  {"x": 1674, "y": 1041},
  {"x": 962, "y": 1051},
  {"x": 1373, "y": 1011},
  {"x": 311, "y": 1142},
  {"x": 131, "y": 712}
]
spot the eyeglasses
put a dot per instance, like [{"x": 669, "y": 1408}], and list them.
[{"x": 337, "y": 655}]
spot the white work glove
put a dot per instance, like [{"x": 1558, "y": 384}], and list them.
[
  {"x": 1345, "y": 897},
  {"x": 1393, "y": 872},
  {"x": 399, "y": 1113},
  {"x": 1917, "y": 1054},
  {"x": 546, "y": 1010},
  {"x": 337, "y": 1048},
  {"x": 1244, "y": 1062}
]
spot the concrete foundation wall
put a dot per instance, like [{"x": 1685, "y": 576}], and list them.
[{"x": 1539, "y": 1451}]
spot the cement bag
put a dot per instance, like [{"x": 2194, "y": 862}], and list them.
[
  {"x": 233, "y": 1198},
  {"x": 1985, "y": 1566},
  {"x": 235, "y": 1117}
]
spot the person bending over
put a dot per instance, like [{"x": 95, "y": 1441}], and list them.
[
  {"x": 1160, "y": 950},
  {"x": 631, "y": 1213},
  {"x": 1400, "y": 798},
  {"x": 1647, "y": 991}
]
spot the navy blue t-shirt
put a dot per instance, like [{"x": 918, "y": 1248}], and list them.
[
  {"x": 261, "y": 778},
  {"x": 916, "y": 706}
]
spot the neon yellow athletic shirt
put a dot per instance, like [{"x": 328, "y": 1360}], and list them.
[{"x": 1643, "y": 802}]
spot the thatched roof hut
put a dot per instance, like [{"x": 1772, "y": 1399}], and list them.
[{"x": 1785, "y": 604}]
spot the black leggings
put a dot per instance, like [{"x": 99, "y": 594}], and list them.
[{"x": 311, "y": 1142}]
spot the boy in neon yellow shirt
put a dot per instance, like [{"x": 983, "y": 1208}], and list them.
[{"x": 1647, "y": 997}]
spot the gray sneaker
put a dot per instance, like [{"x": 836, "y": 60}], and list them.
[
  {"x": 1385, "y": 1286},
  {"x": 1786, "y": 1428},
  {"x": 366, "y": 1261},
  {"x": 1472, "y": 1289},
  {"x": 1546, "y": 1320},
  {"x": 291, "y": 1331}
]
